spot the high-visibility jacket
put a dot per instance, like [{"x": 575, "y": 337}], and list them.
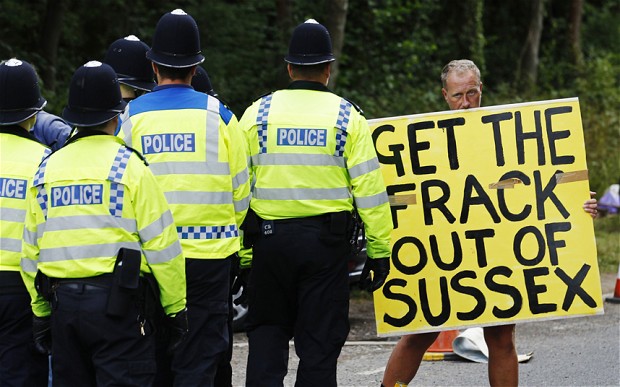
[
  {"x": 89, "y": 199},
  {"x": 196, "y": 151},
  {"x": 19, "y": 159},
  {"x": 311, "y": 153}
]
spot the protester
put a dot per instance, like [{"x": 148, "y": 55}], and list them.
[
  {"x": 462, "y": 89},
  {"x": 313, "y": 164},
  {"x": 97, "y": 228},
  {"x": 20, "y": 101},
  {"x": 50, "y": 130},
  {"x": 195, "y": 150}
]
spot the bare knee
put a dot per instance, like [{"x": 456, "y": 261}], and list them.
[
  {"x": 500, "y": 338},
  {"x": 420, "y": 341}
]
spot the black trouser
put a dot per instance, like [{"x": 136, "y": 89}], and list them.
[
  {"x": 298, "y": 288},
  {"x": 208, "y": 288},
  {"x": 20, "y": 364},
  {"x": 91, "y": 348}
]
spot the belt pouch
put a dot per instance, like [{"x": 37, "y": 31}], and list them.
[{"x": 125, "y": 283}]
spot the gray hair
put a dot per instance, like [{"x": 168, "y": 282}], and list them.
[{"x": 460, "y": 66}]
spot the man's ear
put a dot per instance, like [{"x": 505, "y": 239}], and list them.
[{"x": 444, "y": 92}]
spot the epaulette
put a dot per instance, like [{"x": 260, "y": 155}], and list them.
[
  {"x": 140, "y": 155},
  {"x": 359, "y": 109}
]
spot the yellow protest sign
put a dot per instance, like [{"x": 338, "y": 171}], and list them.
[{"x": 489, "y": 225}]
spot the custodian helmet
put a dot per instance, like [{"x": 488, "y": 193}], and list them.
[
  {"x": 20, "y": 97},
  {"x": 310, "y": 44},
  {"x": 127, "y": 56},
  {"x": 94, "y": 96},
  {"x": 176, "y": 42}
]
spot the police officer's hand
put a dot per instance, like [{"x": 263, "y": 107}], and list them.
[
  {"x": 380, "y": 268},
  {"x": 42, "y": 334},
  {"x": 241, "y": 283},
  {"x": 178, "y": 330}
]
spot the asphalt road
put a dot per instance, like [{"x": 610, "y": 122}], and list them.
[{"x": 580, "y": 351}]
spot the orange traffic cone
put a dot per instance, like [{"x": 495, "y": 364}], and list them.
[
  {"x": 616, "y": 298},
  {"x": 443, "y": 343}
]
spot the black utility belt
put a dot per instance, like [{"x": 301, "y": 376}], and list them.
[
  {"x": 336, "y": 222},
  {"x": 11, "y": 282},
  {"x": 99, "y": 282}
]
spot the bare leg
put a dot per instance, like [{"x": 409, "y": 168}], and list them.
[
  {"x": 406, "y": 358},
  {"x": 503, "y": 363}
]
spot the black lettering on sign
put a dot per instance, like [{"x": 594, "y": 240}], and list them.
[
  {"x": 412, "y": 308},
  {"x": 415, "y": 147},
  {"x": 534, "y": 290},
  {"x": 574, "y": 287},
  {"x": 395, "y": 158},
  {"x": 521, "y": 136},
  {"x": 542, "y": 194},
  {"x": 552, "y": 243},
  {"x": 478, "y": 236},
  {"x": 554, "y": 136},
  {"x": 392, "y": 190},
  {"x": 495, "y": 120},
  {"x": 399, "y": 265},
  {"x": 511, "y": 291},
  {"x": 443, "y": 316},
  {"x": 449, "y": 125},
  {"x": 517, "y": 246},
  {"x": 481, "y": 303},
  {"x": 471, "y": 184},
  {"x": 501, "y": 198},
  {"x": 457, "y": 257},
  {"x": 439, "y": 203}
]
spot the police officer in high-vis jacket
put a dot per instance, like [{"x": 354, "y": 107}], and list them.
[
  {"x": 20, "y": 101},
  {"x": 313, "y": 164},
  {"x": 100, "y": 248},
  {"x": 196, "y": 152}
]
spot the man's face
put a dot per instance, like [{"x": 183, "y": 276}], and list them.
[{"x": 463, "y": 90}]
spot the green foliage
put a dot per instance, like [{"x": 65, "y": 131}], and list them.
[{"x": 607, "y": 231}]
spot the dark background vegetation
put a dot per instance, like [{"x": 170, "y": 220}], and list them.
[{"x": 390, "y": 52}]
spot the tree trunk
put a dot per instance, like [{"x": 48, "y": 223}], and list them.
[
  {"x": 527, "y": 72},
  {"x": 50, "y": 36},
  {"x": 473, "y": 36},
  {"x": 285, "y": 28},
  {"x": 335, "y": 22},
  {"x": 576, "y": 12}
]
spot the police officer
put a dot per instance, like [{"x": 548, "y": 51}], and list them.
[
  {"x": 195, "y": 150},
  {"x": 97, "y": 226},
  {"x": 127, "y": 56},
  {"x": 20, "y": 101},
  {"x": 201, "y": 82},
  {"x": 313, "y": 162}
]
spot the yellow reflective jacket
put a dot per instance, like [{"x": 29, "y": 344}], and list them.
[
  {"x": 89, "y": 199},
  {"x": 196, "y": 152},
  {"x": 311, "y": 153},
  {"x": 20, "y": 156}
]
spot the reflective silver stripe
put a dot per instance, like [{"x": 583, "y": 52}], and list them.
[
  {"x": 28, "y": 265},
  {"x": 240, "y": 179},
  {"x": 156, "y": 228},
  {"x": 189, "y": 168},
  {"x": 371, "y": 201},
  {"x": 127, "y": 126},
  {"x": 11, "y": 244},
  {"x": 165, "y": 255},
  {"x": 12, "y": 215},
  {"x": 242, "y": 205},
  {"x": 213, "y": 129},
  {"x": 198, "y": 197},
  {"x": 30, "y": 237},
  {"x": 363, "y": 168},
  {"x": 302, "y": 193},
  {"x": 62, "y": 223},
  {"x": 82, "y": 252},
  {"x": 297, "y": 159}
]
